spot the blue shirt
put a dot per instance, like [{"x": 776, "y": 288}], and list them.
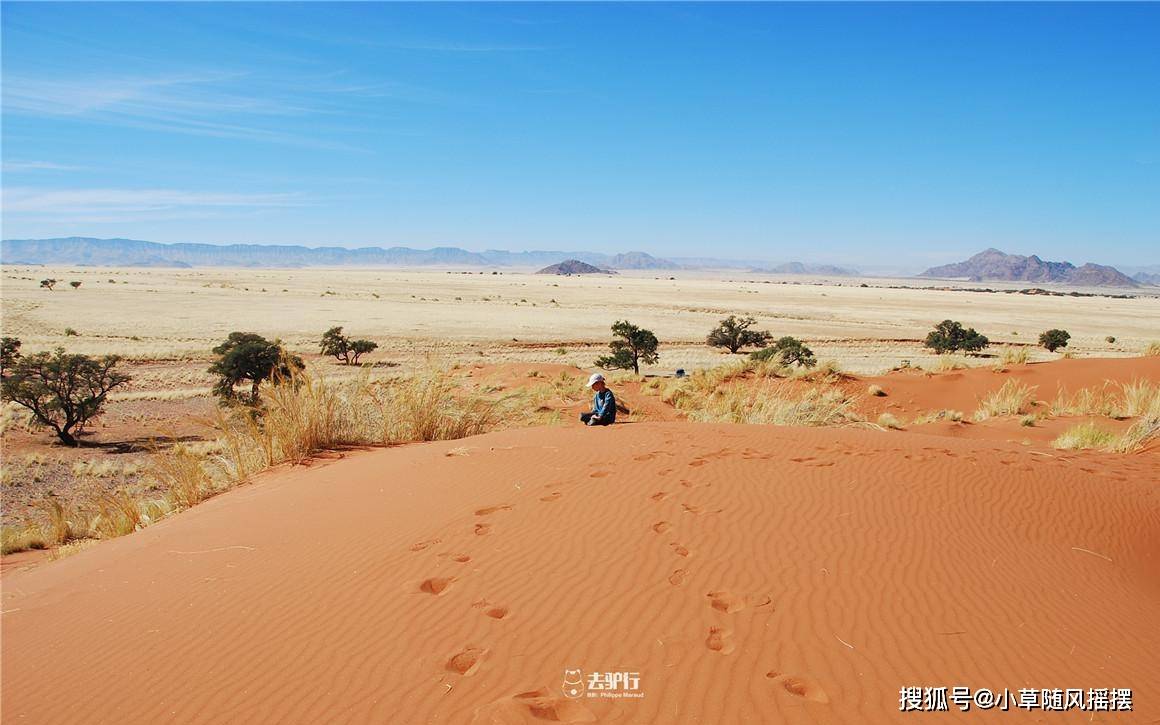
[{"x": 604, "y": 405}]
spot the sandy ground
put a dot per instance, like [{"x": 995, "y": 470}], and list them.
[
  {"x": 522, "y": 317},
  {"x": 747, "y": 573}
]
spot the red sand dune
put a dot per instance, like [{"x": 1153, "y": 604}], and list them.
[
  {"x": 748, "y": 574},
  {"x": 911, "y": 392}
]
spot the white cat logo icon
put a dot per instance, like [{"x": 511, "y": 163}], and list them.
[{"x": 573, "y": 683}]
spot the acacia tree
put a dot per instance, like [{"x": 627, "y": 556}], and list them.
[
  {"x": 249, "y": 357},
  {"x": 950, "y": 336},
  {"x": 64, "y": 392},
  {"x": 9, "y": 353},
  {"x": 634, "y": 346},
  {"x": 75, "y": 284},
  {"x": 343, "y": 348},
  {"x": 787, "y": 351},
  {"x": 1054, "y": 339},
  {"x": 733, "y": 333},
  {"x": 48, "y": 284}
]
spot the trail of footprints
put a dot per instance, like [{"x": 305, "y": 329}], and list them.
[
  {"x": 542, "y": 703},
  {"x": 467, "y": 661},
  {"x": 719, "y": 638}
]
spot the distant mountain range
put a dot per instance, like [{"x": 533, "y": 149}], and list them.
[
  {"x": 802, "y": 268},
  {"x": 990, "y": 265},
  {"x": 574, "y": 266},
  {"x": 993, "y": 265},
  {"x": 135, "y": 253}
]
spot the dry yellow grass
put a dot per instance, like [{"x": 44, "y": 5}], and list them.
[
  {"x": 955, "y": 416},
  {"x": 890, "y": 421},
  {"x": 1011, "y": 355},
  {"x": 1084, "y": 436},
  {"x": 771, "y": 404},
  {"x": 1013, "y": 398}
]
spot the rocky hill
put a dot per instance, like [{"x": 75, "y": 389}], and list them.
[
  {"x": 135, "y": 253},
  {"x": 802, "y": 268},
  {"x": 994, "y": 265},
  {"x": 574, "y": 266}
]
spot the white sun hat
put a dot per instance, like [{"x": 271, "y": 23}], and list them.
[{"x": 596, "y": 378}]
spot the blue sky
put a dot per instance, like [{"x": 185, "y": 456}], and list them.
[{"x": 862, "y": 133}]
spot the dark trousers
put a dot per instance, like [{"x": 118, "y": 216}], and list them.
[{"x": 586, "y": 419}]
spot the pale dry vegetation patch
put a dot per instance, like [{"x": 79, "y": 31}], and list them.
[
  {"x": 1139, "y": 398},
  {"x": 772, "y": 404},
  {"x": 1014, "y": 398},
  {"x": 1011, "y": 355},
  {"x": 890, "y": 422},
  {"x": 934, "y": 416},
  {"x": 1084, "y": 436}
]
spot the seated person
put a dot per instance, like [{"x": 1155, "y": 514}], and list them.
[{"x": 603, "y": 405}]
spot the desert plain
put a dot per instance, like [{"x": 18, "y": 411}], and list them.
[{"x": 751, "y": 544}]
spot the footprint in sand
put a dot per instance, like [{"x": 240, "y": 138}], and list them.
[
  {"x": 720, "y": 640},
  {"x": 493, "y": 509},
  {"x": 466, "y": 661},
  {"x": 659, "y": 496},
  {"x": 661, "y": 527},
  {"x": 461, "y": 558},
  {"x": 800, "y": 686},
  {"x": 420, "y": 545},
  {"x": 679, "y": 550},
  {"x": 554, "y": 496},
  {"x": 482, "y": 529},
  {"x": 646, "y": 456},
  {"x": 727, "y": 602},
  {"x": 496, "y": 612},
  {"x": 436, "y": 585},
  {"x": 543, "y": 705},
  {"x": 599, "y": 474},
  {"x": 803, "y": 459},
  {"x": 696, "y": 462},
  {"x": 677, "y": 578}
]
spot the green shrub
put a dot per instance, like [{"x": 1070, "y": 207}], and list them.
[
  {"x": 787, "y": 351},
  {"x": 950, "y": 336},
  {"x": 1054, "y": 339}
]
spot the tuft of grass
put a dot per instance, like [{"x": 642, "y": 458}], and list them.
[
  {"x": 1011, "y": 355},
  {"x": 887, "y": 420},
  {"x": 1027, "y": 421},
  {"x": 184, "y": 475},
  {"x": 1086, "y": 401},
  {"x": 876, "y": 391},
  {"x": 118, "y": 514},
  {"x": 21, "y": 538},
  {"x": 1141, "y": 398},
  {"x": 62, "y": 522},
  {"x": 955, "y": 416},
  {"x": 1138, "y": 435},
  {"x": 1013, "y": 398},
  {"x": 1084, "y": 436},
  {"x": 945, "y": 364},
  {"x": 1152, "y": 349}
]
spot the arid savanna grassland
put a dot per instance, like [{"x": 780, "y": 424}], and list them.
[{"x": 547, "y": 330}]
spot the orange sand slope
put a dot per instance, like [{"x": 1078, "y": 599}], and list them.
[{"x": 746, "y": 573}]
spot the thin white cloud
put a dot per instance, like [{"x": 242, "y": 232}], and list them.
[
  {"x": 224, "y": 105},
  {"x": 111, "y": 205},
  {"x": 13, "y": 166}
]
